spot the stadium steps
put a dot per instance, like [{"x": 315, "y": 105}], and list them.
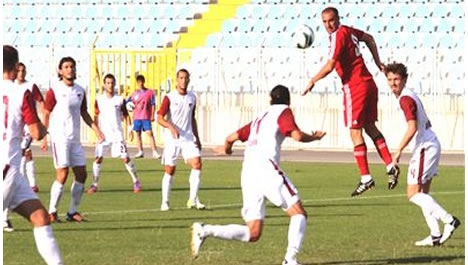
[{"x": 208, "y": 23}]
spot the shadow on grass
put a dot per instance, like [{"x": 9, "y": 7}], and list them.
[{"x": 408, "y": 260}]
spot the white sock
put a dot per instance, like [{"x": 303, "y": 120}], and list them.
[
  {"x": 31, "y": 173},
  {"x": 296, "y": 232},
  {"x": 194, "y": 181},
  {"x": 56, "y": 192},
  {"x": 365, "y": 178},
  {"x": 228, "y": 232},
  {"x": 96, "y": 173},
  {"x": 130, "y": 166},
  {"x": 47, "y": 245},
  {"x": 425, "y": 201},
  {"x": 166, "y": 187},
  {"x": 5, "y": 214},
  {"x": 77, "y": 189},
  {"x": 23, "y": 166}
]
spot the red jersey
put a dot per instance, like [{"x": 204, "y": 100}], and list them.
[{"x": 344, "y": 48}]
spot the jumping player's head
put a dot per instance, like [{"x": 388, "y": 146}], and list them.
[
  {"x": 330, "y": 19},
  {"x": 67, "y": 69},
  {"x": 109, "y": 84},
  {"x": 140, "y": 79},
  {"x": 10, "y": 61},
  {"x": 397, "y": 75},
  {"x": 280, "y": 95},
  {"x": 183, "y": 79}
]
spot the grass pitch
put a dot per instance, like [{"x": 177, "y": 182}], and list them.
[{"x": 124, "y": 228}]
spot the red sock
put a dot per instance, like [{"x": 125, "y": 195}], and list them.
[
  {"x": 382, "y": 149},
  {"x": 360, "y": 154}
]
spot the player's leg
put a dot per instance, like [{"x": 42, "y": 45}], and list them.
[
  {"x": 147, "y": 128},
  {"x": 121, "y": 147},
  {"x": 285, "y": 195},
  {"x": 138, "y": 127},
  {"x": 253, "y": 213},
  {"x": 191, "y": 154},
  {"x": 78, "y": 165},
  {"x": 7, "y": 225},
  {"x": 355, "y": 119},
  {"x": 170, "y": 153},
  {"x": 25, "y": 145},
  {"x": 61, "y": 157},
  {"x": 97, "y": 166},
  {"x": 46, "y": 243},
  {"x": 423, "y": 167},
  {"x": 30, "y": 170}
]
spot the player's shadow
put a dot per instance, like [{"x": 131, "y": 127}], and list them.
[{"x": 407, "y": 260}]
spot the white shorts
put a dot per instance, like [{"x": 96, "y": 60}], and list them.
[
  {"x": 424, "y": 163},
  {"x": 265, "y": 181},
  {"x": 172, "y": 150},
  {"x": 68, "y": 154},
  {"x": 16, "y": 189},
  {"x": 118, "y": 149}
]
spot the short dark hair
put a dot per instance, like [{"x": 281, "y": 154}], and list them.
[
  {"x": 397, "y": 68},
  {"x": 109, "y": 76},
  {"x": 183, "y": 70},
  {"x": 21, "y": 64},
  {"x": 10, "y": 58},
  {"x": 67, "y": 59},
  {"x": 280, "y": 95},
  {"x": 331, "y": 9},
  {"x": 140, "y": 78}
]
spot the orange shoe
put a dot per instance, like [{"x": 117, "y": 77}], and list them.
[{"x": 75, "y": 217}]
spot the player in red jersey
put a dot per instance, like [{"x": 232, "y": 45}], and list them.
[
  {"x": 18, "y": 109},
  {"x": 424, "y": 163},
  {"x": 262, "y": 178},
  {"x": 360, "y": 94}
]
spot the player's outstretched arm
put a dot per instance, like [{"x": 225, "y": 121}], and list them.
[
  {"x": 301, "y": 136},
  {"x": 326, "y": 69},
  {"x": 228, "y": 143},
  {"x": 370, "y": 43}
]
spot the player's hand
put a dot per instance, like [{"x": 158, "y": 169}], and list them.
[
  {"x": 44, "y": 145},
  {"x": 130, "y": 135},
  {"x": 318, "y": 135},
  {"x": 396, "y": 157},
  {"x": 175, "y": 133},
  {"x": 221, "y": 151},
  {"x": 101, "y": 137},
  {"x": 309, "y": 87}
]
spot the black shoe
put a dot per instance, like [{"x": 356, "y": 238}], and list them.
[
  {"x": 8, "y": 226},
  {"x": 362, "y": 187},
  {"x": 393, "y": 175}
]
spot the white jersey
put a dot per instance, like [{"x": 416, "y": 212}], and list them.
[
  {"x": 413, "y": 109},
  {"x": 110, "y": 111},
  {"x": 18, "y": 109},
  {"x": 65, "y": 104},
  {"x": 266, "y": 134},
  {"x": 180, "y": 110}
]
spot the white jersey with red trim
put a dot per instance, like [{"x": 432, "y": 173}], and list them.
[
  {"x": 65, "y": 104},
  {"x": 16, "y": 111},
  {"x": 413, "y": 109},
  {"x": 110, "y": 111},
  {"x": 36, "y": 94},
  {"x": 180, "y": 112},
  {"x": 267, "y": 133}
]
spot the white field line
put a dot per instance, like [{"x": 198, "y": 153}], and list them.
[{"x": 218, "y": 206}]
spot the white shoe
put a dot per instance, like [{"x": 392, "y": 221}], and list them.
[
  {"x": 156, "y": 155},
  {"x": 165, "y": 207},
  {"x": 197, "y": 239},
  {"x": 429, "y": 241},
  {"x": 195, "y": 204},
  {"x": 7, "y": 226},
  {"x": 140, "y": 154},
  {"x": 449, "y": 229}
]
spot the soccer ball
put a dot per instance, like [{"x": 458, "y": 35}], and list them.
[
  {"x": 130, "y": 106},
  {"x": 303, "y": 37}
]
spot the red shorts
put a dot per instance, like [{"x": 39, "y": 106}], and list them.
[{"x": 360, "y": 104}]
